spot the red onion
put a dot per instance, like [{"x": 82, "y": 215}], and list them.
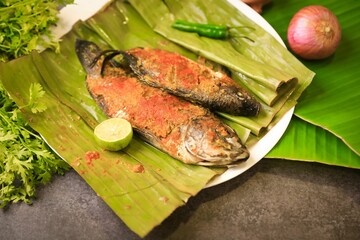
[{"x": 314, "y": 33}]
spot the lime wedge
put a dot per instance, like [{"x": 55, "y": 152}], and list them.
[{"x": 113, "y": 134}]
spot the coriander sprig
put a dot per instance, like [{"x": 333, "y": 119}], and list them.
[
  {"x": 25, "y": 159},
  {"x": 24, "y": 26}
]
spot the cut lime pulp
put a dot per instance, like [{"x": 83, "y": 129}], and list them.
[{"x": 113, "y": 134}]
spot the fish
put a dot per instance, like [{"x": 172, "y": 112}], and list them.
[
  {"x": 185, "y": 131},
  {"x": 192, "y": 81}
]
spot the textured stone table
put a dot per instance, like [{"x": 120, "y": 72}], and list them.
[{"x": 276, "y": 199}]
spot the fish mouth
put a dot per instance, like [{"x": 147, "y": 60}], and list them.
[
  {"x": 220, "y": 161},
  {"x": 214, "y": 145},
  {"x": 251, "y": 107}
]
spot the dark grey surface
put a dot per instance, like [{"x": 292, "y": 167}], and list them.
[{"x": 276, "y": 199}]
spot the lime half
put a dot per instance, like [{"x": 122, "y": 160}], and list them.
[{"x": 113, "y": 134}]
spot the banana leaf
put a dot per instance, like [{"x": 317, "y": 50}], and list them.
[
  {"x": 332, "y": 101},
  {"x": 307, "y": 142},
  {"x": 141, "y": 199}
]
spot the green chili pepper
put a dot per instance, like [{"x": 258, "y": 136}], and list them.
[{"x": 207, "y": 30}]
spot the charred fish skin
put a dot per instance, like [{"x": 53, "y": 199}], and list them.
[
  {"x": 192, "y": 81},
  {"x": 187, "y": 132}
]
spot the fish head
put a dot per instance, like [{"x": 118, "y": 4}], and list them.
[{"x": 212, "y": 143}]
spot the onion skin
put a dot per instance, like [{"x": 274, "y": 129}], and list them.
[
  {"x": 256, "y": 4},
  {"x": 314, "y": 33}
]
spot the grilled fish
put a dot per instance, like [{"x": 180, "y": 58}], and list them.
[
  {"x": 185, "y": 131},
  {"x": 192, "y": 81}
]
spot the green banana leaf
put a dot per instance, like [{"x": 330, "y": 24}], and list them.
[
  {"x": 141, "y": 199},
  {"x": 332, "y": 100},
  {"x": 307, "y": 142}
]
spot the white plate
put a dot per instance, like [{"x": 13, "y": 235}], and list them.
[{"x": 83, "y": 9}]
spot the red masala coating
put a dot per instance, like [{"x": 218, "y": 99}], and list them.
[
  {"x": 145, "y": 107},
  {"x": 90, "y": 156},
  {"x": 176, "y": 71}
]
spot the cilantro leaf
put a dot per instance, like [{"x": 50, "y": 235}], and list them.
[
  {"x": 25, "y": 159},
  {"x": 35, "y": 92},
  {"x": 24, "y": 26}
]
